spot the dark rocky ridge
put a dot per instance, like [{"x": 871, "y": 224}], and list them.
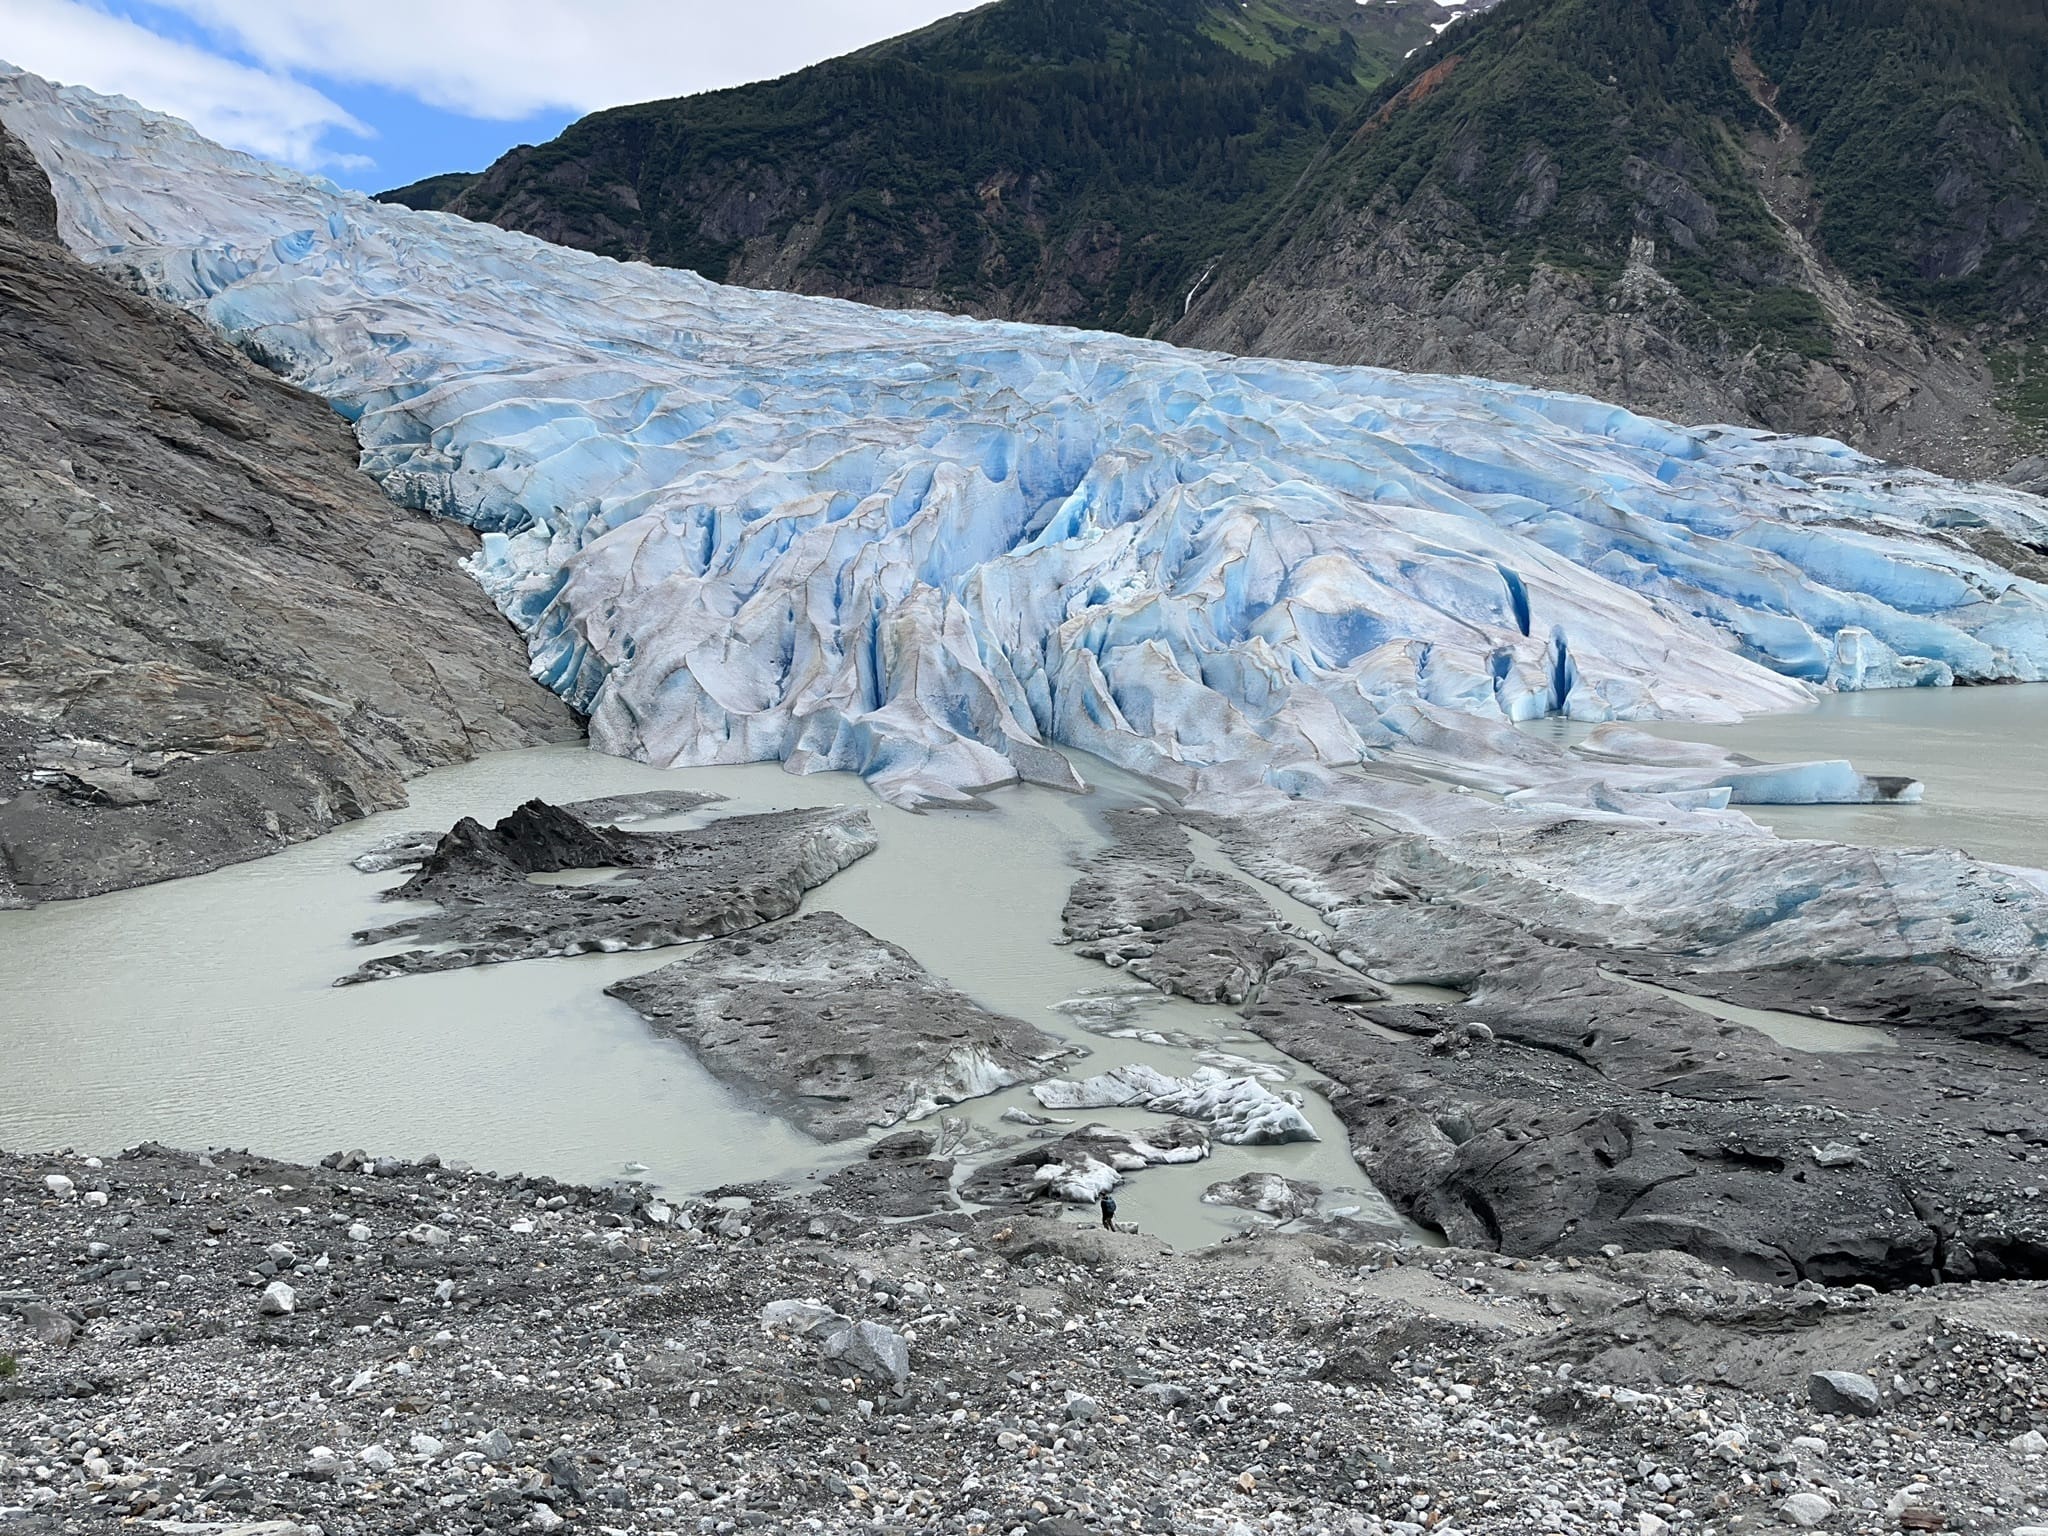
[
  {"x": 216, "y": 636},
  {"x": 409, "y": 850},
  {"x": 671, "y": 887},
  {"x": 1560, "y": 1110},
  {"x": 1142, "y": 906}
]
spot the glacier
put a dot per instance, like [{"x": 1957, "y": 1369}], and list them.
[{"x": 739, "y": 526}]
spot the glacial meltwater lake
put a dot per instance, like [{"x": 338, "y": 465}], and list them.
[
  {"x": 200, "y": 1012},
  {"x": 1982, "y": 754}
]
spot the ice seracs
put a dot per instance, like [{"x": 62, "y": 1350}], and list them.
[{"x": 738, "y": 525}]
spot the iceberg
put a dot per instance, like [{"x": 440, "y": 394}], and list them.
[
  {"x": 738, "y": 526},
  {"x": 1241, "y": 1109}
]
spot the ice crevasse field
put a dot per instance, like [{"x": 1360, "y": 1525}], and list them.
[{"x": 740, "y": 526}]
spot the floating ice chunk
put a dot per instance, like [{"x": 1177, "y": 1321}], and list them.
[
  {"x": 1829, "y": 783},
  {"x": 1240, "y": 1110}
]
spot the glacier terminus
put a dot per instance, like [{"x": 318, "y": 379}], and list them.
[{"x": 738, "y": 526}]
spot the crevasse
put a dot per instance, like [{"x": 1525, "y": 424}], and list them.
[{"x": 738, "y": 525}]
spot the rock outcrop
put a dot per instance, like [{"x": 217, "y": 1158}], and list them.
[
  {"x": 669, "y": 887},
  {"x": 216, "y": 636},
  {"x": 1142, "y": 906},
  {"x": 1566, "y": 1105},
  {"x": 834, "y": 1028}
]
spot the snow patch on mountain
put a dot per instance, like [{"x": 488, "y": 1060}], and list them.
[{"x": 738, "y": 525}]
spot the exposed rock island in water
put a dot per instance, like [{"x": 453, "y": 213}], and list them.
[
  {"x": 669, "y": 887},
  {"x": 409, "y": 850},
  {"x": 835, "y": 1028},
  {"x": 1562, "y": 1106}
]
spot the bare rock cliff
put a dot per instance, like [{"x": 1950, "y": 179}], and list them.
[{"x": 216, "y": 636}]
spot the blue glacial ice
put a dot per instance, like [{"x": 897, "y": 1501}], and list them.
[{"x": 738, "y": 526}]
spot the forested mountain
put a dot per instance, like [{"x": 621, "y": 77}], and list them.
[
  {"x": 1927, "y": 122},
  {"x": 1818, "y": 215},
  {"x": 1048, "y": 159}
]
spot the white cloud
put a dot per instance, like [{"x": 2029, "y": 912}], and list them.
[
  {"x": 257, "y": 110},
  {"x": 513, "y": 58}
]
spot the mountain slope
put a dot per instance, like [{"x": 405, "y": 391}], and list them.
[
  {"x": 1037, "y": 159},
  {"x": 1926, "y": 125},
  {"x": 1814, "y": 215},
  {"x": 1735, "y": 209},
  {"x": 215, "y": 636}
]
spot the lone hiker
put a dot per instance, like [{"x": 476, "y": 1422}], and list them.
[{"x": 1108, "y": 1211}]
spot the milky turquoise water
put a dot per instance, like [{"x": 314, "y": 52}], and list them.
[
  {"x": 1981, "y": 752},
  {"x": 199, "y": 1011}
]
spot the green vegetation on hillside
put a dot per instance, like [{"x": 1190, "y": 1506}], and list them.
[
  {"x": 2021, "y": 373},
  {"x": 1927, "y": 122},
  {"x": 1082, "y": 160},
  {"x": 433, "y": 191},
  {"x": 1564, "y": 130}
]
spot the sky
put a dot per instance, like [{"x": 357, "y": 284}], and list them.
[{"x": 379, "y": 93}]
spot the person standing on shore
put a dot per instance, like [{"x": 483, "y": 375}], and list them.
[{"x": 1108, "y": 1211}]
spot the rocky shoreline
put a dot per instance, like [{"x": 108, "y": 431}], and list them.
[{"x": 208, "y": 1343}]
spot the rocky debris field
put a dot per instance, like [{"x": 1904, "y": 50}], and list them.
[
  {"x": 199, "y": 1344},
  {"x": 1557, "y": 1103},
  {"x": 1140, "y": 905}
]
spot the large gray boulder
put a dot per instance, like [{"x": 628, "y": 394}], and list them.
[
  {"x": 871, "y": 1350},
  {"x": 1844, "y": 1392}
]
